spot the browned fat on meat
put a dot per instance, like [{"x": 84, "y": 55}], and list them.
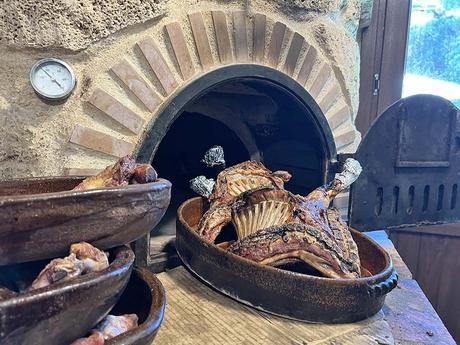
[
  {"x": 242, "y": 177},
  {"x": 144, "y": 173},
  {"x": 116, "y": 175},
  {"x": 299, "y": 241}
]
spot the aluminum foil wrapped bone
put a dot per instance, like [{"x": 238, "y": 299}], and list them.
[
  {"x": 214, "y": 157},
  {"x": 350, "y": 172},
  {"x": 202, "y": 185}
]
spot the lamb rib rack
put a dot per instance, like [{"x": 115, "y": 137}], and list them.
[
  {"x": 243, "y": 177},
  {"x": 271, "y": 209},
  {"x": 300, "y": 241},
  {"x": 253, "y": 210}
]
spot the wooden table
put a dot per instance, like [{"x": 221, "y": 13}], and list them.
[{"x": 197, "y": 314}]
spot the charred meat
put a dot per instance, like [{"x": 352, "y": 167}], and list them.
[
  {"x": 125, "y": 171},
  {"x": 242, "y": 177},
  {"x": 297, "y": 241},
  {"x": 116, "y": 175},
  {"x": 273, "y": 225},
  {"x": 144, "y": 173},
  {"x": 253, "y": 210},
  {"x": 6, "y": 293}
]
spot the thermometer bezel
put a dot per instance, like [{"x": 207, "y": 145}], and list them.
[{"x": 42, "y": 93}]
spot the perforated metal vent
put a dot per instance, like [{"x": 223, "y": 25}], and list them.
[{"x": 411, "y": 166}]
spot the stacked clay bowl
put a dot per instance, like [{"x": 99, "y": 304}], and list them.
[{"x": 40, "y": 218}]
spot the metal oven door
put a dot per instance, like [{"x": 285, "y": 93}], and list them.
[{"x": 411, "y": 166}]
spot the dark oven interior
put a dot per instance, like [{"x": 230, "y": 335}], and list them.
[{"x": 251, "y": 119}]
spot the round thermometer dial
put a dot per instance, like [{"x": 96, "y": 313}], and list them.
[{"x": 52, "y": 79}]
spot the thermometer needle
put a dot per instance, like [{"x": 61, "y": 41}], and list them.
[{"x": 54, "y": 80}]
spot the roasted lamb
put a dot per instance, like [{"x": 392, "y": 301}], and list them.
[
  {"x": 299, "y": 241},
  {"x": 242, "y": 177},
  {"x": 122, "y": 173},
  {"x": 110, "y": 327},
  {"x": 272, "y": 224},
  {"x": 83, "y": 258}
]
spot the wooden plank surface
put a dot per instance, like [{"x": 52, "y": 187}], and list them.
[
  {"x": 241, "y": 36},
  {"x": 158, "y": 64},
  {"x": 180, "y": 49},
  {"x": 260, "y": 27},
  {"x": 412, "y": 319},
  {"x": 196, "y": 314},
  {"x": 136, "y": 83},
  {"x": 431, "y": 258},
  {"x": 276, "y": 42},
  {"x": 201, "y": 40},
  {"x": 448, "y": 299},
  {"x": 222, "y": 37},
  {"x": 99, "y": 141},
  {"x": 116, "y": 110},
  {"x": 410, "y": 252},
  {"x": 431, "y": 252}
]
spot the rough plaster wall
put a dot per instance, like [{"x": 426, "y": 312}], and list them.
[
  {"x": 70, "y": 24},
  {"x": 34, "y": 135}
]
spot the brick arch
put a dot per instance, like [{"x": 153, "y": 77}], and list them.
[{"x": 226, "y": 38}]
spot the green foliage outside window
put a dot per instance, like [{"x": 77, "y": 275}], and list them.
[{"x": 434, "y": 49}]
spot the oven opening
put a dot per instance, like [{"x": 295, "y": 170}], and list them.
[{"x": 251, "y": 118}]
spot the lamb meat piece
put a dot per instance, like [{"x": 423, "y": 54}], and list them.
[
  {"x": 314, "y": 205},
  {"x": 94, "y": 339},
  {"x": 116, "y": 175},
  {"x": 6, "y": 293},
  {"x": 296, "y": 241},
  {"x": 263, "y": 208},
  {"x": 274, "y": 208},
  {"x": 253, "y": 210},
  {"x": 212, "y": 222},
  {"x": 58, "y": 270},
  {"x": 242, "y": 177},
  {"x": 113, "y": 325},
  {"x": 93, "y": 259},
  {"x": 144, "y": 173},
  {"x": 346, "y": 246}
]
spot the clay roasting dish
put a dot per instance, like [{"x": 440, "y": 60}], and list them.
[
  {"x": 286, "y": 293},
  {"x": 145, "y": 297},
  {"x": 62, "y": 312},
  {"x": 42, "y": 217}
]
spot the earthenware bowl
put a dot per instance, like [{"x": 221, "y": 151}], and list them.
[
  {"x": 41, "y": 217},
  {"x": 289, "y": 294},
  {"x": 145, "y": 297},
  {"x": 60, "y": 313}
]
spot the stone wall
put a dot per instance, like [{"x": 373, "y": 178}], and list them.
[{"x": 105, "y": 43}]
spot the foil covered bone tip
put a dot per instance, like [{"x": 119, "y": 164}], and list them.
[
  {"x": 214, "y": 157},
  {"x": 350, "y": 172},
  {"x": 202, "y": 185}
]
